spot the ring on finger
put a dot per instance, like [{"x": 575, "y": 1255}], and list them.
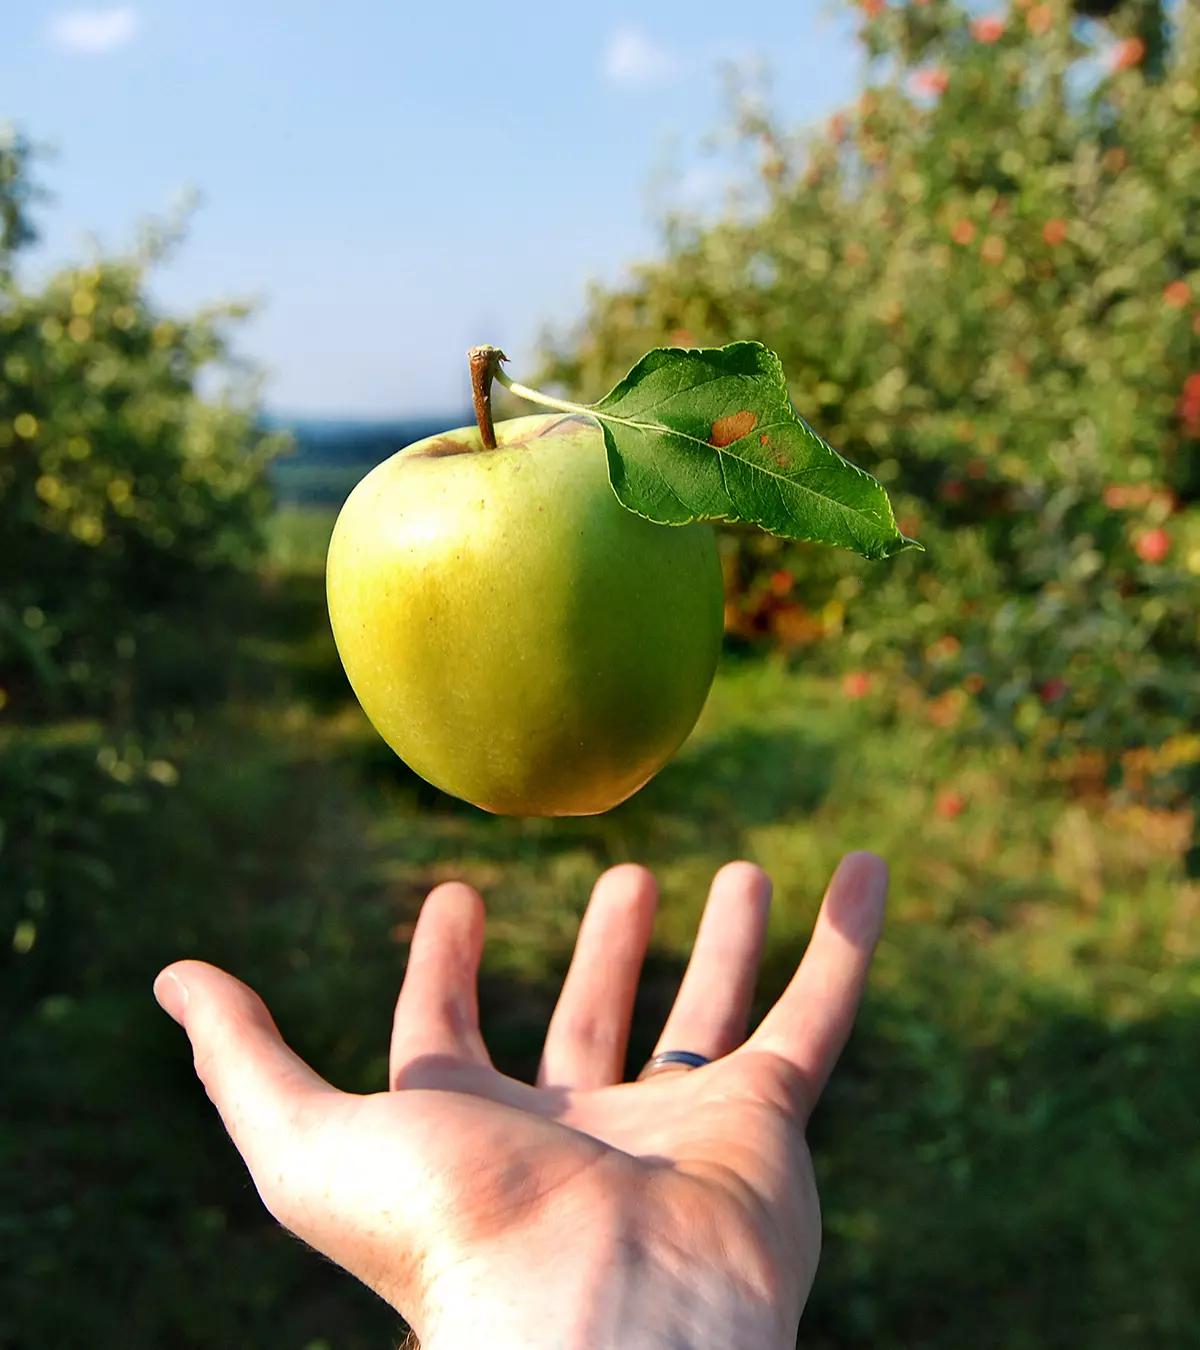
[{"x": 669, "y": 1060}]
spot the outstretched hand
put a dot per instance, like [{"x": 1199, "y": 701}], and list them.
[{"x": 678, "y": 1211}]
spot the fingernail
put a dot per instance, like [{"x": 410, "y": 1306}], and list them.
[{"x": 172, "y": 995}]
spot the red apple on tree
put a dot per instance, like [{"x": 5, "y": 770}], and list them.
[{"x": 1152, "y": 545}]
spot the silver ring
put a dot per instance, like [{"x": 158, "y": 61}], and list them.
[{"x": 687, "y": 1059}]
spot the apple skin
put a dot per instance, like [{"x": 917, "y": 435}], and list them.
[{"x": 518, "y": 637}]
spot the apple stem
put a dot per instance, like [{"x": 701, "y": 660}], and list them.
[{"x": 485, "y": 365}]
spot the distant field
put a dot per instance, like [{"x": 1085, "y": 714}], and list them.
[
  {"x": 298, "y": 537},
  {"x": 329, "y": 456},
  {"x": 316, "y": 484}
]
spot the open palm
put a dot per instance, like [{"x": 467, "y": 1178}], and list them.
[{"x": 678, "y": 1210}]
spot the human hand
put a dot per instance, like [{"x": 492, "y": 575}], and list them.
[{"x": 679, "y": 1211}]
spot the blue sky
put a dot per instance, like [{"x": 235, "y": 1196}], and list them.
[{"x": 394, "y": 181}]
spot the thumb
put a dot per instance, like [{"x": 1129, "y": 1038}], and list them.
[{"x": 267, "y": 1097}]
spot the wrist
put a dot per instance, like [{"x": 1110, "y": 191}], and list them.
[
  {"x": 670, "y": 1297},
  {"x": 627, "y": 1288}
]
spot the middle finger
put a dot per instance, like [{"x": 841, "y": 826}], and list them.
[{"x": 589, "y": 1031}]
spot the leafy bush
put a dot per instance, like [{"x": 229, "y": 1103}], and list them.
[
  {"x": 128, "y": 503},
  {"x": 131, "y": 510},
  {"x": 984, "y": 280}
]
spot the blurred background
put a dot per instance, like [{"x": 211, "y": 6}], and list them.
[{"x": 973, "y": 236}]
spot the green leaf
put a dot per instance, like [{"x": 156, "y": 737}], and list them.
[{"x": 711, "y": 435}]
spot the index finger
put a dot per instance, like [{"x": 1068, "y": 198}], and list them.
[{"x": 809, "y": 1025}]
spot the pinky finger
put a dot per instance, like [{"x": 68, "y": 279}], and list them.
[{"x": 810, "y": 1024}]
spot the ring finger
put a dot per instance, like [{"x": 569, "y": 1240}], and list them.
[{"x": 712, "y": 1009}]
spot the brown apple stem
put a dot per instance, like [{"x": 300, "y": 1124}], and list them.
[{"x": 485, "y": 362}]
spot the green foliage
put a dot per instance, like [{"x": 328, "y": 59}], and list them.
[
  {"x": 16, "y": 193},
  {"x": 127, "y": 1219},
  {"x": 1005, "y": 1155},
  {"x": 984, "y": 282},
  {"x": 128, "y": 503},
  {"x": 130, "y": 510}
]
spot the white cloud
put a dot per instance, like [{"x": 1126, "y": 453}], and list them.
[
  {"x": 92, "y": 31},
  {"x": 634, "y": 58}
]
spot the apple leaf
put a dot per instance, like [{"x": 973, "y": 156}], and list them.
[{"x": 710, "y": 434}]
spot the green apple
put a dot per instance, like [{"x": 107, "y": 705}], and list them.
[{"x": 516, "y": 635}]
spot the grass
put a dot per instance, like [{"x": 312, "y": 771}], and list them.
[{"x": 1007, "y": 1155}]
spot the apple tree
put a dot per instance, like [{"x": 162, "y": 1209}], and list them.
[
  {"x": 983, "y": 278},
  {"x": 131, "y": 509},
  {"x": 128, "y": 503}
]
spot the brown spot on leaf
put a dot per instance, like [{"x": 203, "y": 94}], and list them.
[
  {"x": 732, "y": 427},
  {"x": 763, "y": 439}
]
